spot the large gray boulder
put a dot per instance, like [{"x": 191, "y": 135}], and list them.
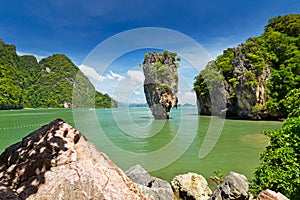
[
  {"x": 234, "y": 187},
  {"x": 57, "y": 162},
  {"x": 191, "y": 186},
  {"x": 153, "y": 188}
]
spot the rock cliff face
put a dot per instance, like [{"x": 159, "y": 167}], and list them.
[
  {"x": 243, "y": 95},
  {"x": 161, "y": 83},
  {"x": 57, "y": 162}
]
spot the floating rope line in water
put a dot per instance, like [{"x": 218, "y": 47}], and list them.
[{"x": 20, "y": 127}]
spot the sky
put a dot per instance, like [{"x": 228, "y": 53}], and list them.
[{"x": 77, "y": 27}]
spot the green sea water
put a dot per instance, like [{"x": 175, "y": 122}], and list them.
[{"x": 166, "y": 148}]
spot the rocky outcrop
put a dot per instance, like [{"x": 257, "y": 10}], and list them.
[
  {"x": 57, "y": 162},
  {"x": 243, "y": 92},
  {"x": 153, "y": 188},
  {"x": 249, "y": 93},
  {"x": 271, "y": 195},
  {"x": 234, "y": 187},
  {"x": 161, "y": 83},
  {"x": 191, "y": 186}
]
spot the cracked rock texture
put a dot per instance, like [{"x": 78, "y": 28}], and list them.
[{"x": 57, "y": 162}]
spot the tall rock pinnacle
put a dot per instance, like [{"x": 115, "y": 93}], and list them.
[{"x": 161, "y": 82}]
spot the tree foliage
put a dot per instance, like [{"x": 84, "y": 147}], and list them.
[
  {"x": 292, "y": 103},
  {"x": 280, "y": 167}
]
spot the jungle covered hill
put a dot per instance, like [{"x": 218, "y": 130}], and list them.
[
  {"x": 27, "y": 83},
  {"x": 257, "y": 79}
]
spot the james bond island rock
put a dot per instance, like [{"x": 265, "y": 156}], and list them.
[
  {"x": 57, "y": 162},
  {"x": 253, "y": 80},
  {"x": 161, "y": 82}
]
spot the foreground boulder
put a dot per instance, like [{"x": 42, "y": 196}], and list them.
[
  {"x": 161, "y": 82},
  {"x": 154, "y": 188},
  {"x": 271, "y": 195},
  {"x": 234, "y": 187},
  {"x": 191, "y": 186},
  {"x": 57, "y": 162}
]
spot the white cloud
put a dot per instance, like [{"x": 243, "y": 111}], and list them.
[
  {"x": 118, "y": 76},
  {"x": 137, "y": 92},
  {"x": 38, "y": 57},
  {"x": 136, "y": 76},
  {"x": 109, "y": 77},
  {"x": 91, "y": 73}
]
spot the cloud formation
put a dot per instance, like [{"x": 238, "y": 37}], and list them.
[
  {"x": 117, "y": 76},
  {"x": 136, "y": 76}
]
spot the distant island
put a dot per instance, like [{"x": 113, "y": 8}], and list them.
[
  {"x": 27, "y": 83},
  {"x": 259, "y": 79}
]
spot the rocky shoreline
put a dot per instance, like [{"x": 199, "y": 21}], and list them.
[{"x": 58, "y": 162}]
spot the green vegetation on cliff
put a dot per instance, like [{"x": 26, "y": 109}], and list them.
[
  {"x": 261, "y": 71},
  {"x": 25, "y": 82},
  {"x": 161, "y": 73}
]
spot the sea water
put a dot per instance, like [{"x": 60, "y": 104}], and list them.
[{"x": 129, "y": 136}]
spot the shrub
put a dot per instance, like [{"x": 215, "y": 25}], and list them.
[{"x": 280, "y": 168}]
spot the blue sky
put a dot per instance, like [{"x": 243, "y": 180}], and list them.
[{"x": 75, "y": 27}]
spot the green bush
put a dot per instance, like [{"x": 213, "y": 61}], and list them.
[
  {"x": 280, "y": 168},
  {"x": 292, "y": 103}
]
